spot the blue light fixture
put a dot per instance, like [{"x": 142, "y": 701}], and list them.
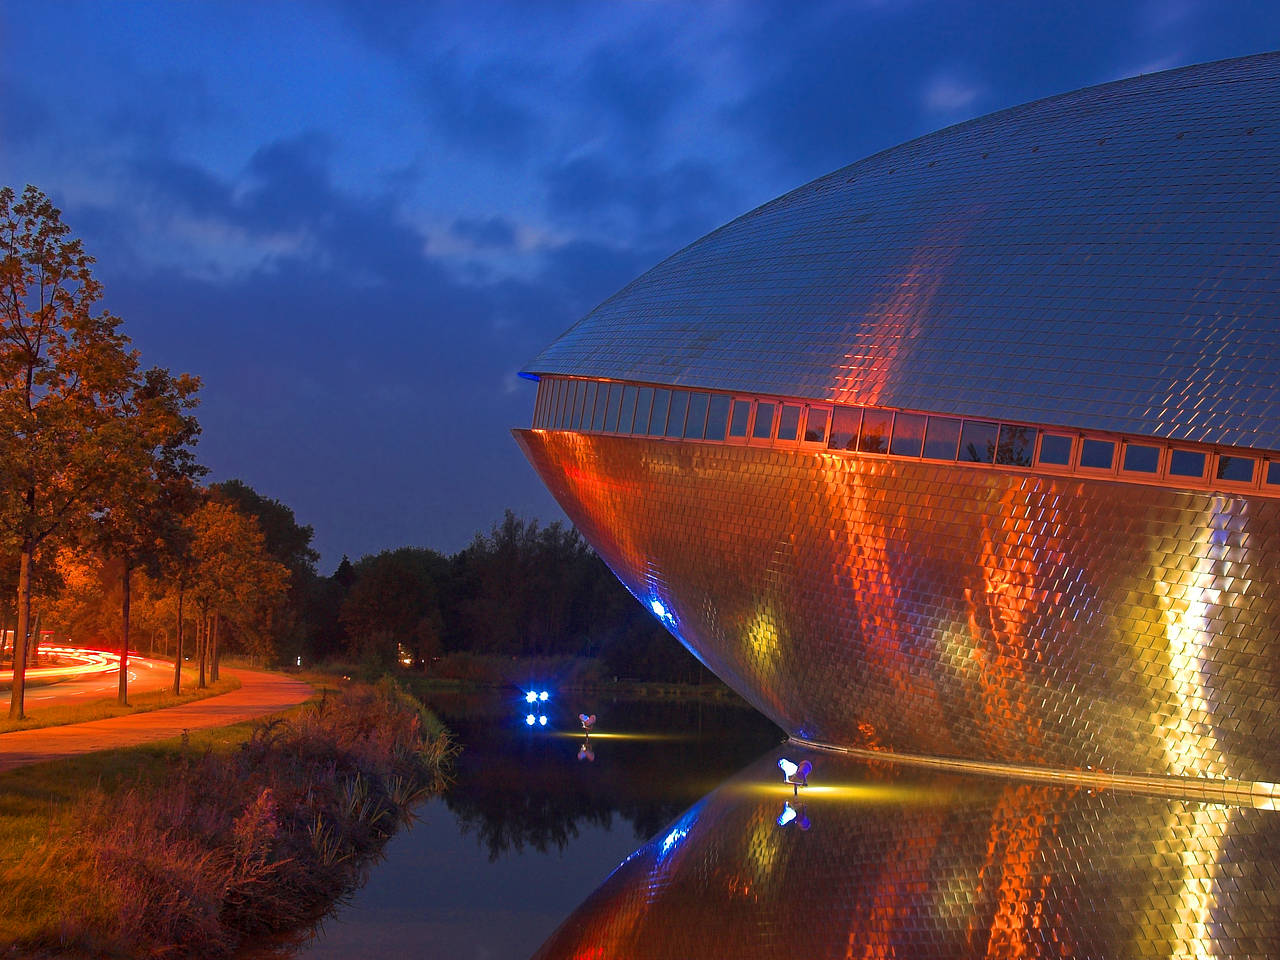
[
  {"x": 529, "y": 719},
  {"x": 795, "y": 774},
  {"x": 544, "y": 696},
  {"x": 789, "y": 814},
  {"x": 542, "y": 721},
  {"x": 659, "y": 609},
  {"x": 530, "y": 697}
]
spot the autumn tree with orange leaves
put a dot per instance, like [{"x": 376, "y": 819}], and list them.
[{"x": 235, "y": 583}]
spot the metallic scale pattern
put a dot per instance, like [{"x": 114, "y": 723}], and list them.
[
  {"x": 1104, "y": 259},
  {"x": 945, "y": 610},
  {"x": 1100, "y": 261},
  {"x": 880, "y": 862}
]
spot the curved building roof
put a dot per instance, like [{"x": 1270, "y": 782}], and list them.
[{"x": 1104, "y": 259}]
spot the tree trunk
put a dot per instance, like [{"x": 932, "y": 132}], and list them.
[
  {"x": 122, "y": 696},
  {"x": 19, "y": 688},
  {"x": 177, "y": 653},
  {"x": 213, "y": 656},
  {"x": 202, "y": 641}
]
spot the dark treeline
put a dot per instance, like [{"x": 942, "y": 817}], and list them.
[{"x": 521, "y": 590}]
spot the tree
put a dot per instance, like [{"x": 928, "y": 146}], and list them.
[
  {"x": 234, "y": 581},
  {"x": 63, "y": 373},
  {"x": 289, "y": 542},
  {"x": 151, "y": 485},
  {"x": 393, "y": 603}
]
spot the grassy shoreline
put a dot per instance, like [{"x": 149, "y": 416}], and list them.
[{"x": 186, "y": 847}]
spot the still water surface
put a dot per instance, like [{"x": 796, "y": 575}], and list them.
[
  {"x": 530, "y": 828},
  {"x": 679, "y": 840}
]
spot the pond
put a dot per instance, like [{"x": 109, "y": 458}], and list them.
[
  {"x": 533, "y": 822},
  {"x": 670, "y": 834}
]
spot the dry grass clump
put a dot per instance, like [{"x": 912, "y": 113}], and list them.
[{"x": 259, "y": 840}]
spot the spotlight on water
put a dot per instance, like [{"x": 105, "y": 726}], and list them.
[{"x": 795, "y": 774}]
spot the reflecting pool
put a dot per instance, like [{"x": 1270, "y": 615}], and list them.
[{"x": 670, "y": 833}]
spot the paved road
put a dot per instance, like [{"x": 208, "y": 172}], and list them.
[
  {"x": 259, "y": 694},
  {"x": 144, "y": 676}
]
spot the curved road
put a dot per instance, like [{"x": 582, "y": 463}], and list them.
[
  {"x": 145, "y": 675},
  {"x": 259, "y": 694}
]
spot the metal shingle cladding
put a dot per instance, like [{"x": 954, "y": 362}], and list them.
[{"x": 1105, "y": 259}]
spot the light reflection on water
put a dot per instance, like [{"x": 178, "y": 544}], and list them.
[
  {"x": 872, "y": 859},
  {"x": 529, "y": 830},
  {"x": 890, "y": 861}
]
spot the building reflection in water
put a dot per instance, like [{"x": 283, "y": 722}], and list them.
[{"x": 896, "y": 862}]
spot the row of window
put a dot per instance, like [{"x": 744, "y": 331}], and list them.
[{"x": 597, "y": 406}]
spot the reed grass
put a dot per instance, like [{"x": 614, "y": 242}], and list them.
[{"x": 203, "y": 844}]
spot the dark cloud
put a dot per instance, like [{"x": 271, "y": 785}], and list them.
[
  {"x": 478, "y": 104},
  {"x": 632, "y": 90},
  {"x": 493, "y": 232},
  {"x": 665, "y": 207}
]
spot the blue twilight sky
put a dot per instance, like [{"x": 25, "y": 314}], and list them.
[{"x": 356, "y": 221}]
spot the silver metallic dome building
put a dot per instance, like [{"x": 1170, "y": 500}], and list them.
[{"x": 970, "y": 449}]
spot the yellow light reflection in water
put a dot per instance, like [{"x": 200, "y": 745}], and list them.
[
  {"x": 578, "y": 735},
  {"x": 850, "y": 793},
  {"x": 1183, "y": 925}
]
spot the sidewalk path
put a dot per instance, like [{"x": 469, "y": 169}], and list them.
[{"x": 259, "y": 695}]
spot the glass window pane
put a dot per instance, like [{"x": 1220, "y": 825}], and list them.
[
  {"x": 977, "y": 442},
  {"x": 815, "y": 425},
  {"x": 1016, "y": 445},
  {"x": 557, "y": 413},
  {"x": 602, "y": 406},
  {"x": 1186, "y": 463},
  {"x": 1055, "y": 449},
  {"x": 763, "y": 428},
  {"x": 589, "y": 406},
  {"x": 789, "y": 422},
  {"x": 697, "y": 419},
  {"x": 658, "y": 419},
  {"x": 1235, "y": 469},
  {"x": 845, "y": 422},
  {"x": 539, "y": 403},
  {"x": 1097, "y": 454},
  {"x": 628, "y": 414},
  {"x": 1273, "y": 471},
  {"x": 741, "y": 414},
  {"x": 941, "y": 437},
  {"x": 1140, "y": 458},
  {"x": 718, "y": 416},
  {"x": 579, "y": 399},
  {"x": 908, "y": 435},
  {"x": 644, "y": 405},
  {"x": 876, "y": 425},
  {"x": 675, "y": 419},
  {"x": 615, "y": 406}
]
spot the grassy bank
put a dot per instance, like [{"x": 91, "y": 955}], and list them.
[
  {"x": 81, "y": 711},
  {"x": 185, "y": 849}
]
